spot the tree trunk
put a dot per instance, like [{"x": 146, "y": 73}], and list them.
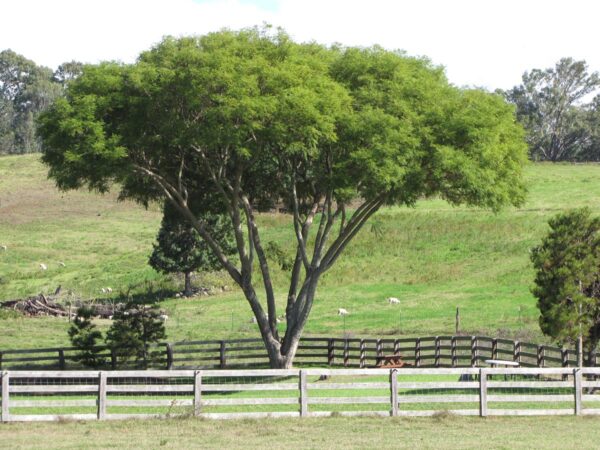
[
  {"x": 281, "y": 355},
  {"x": 188, "y": 285}
]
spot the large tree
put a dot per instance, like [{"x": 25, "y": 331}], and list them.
[
  {"x": 551, "y": 104},
  {"x": 567, "y": 281},
  {"x": 251, "y": 118}
]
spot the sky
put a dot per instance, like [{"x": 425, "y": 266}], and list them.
[{"x": 483, "y": 43}]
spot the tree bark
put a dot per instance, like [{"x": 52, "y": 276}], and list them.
[{"x": 188, "y": 285}]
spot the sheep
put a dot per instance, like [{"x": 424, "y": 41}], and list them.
[
  {"x": 163, "y": 317},
  {"x": 109, "y": 290},
  {"x": 393, "y": 300},
  {"x": 342, "y": 312},
  {"x": 3, "y": 248},
  {"x": 103, "y": 290},
  {"x": 62, "y": 264},
  {"x": 253, "y": 320},
  {"x": 43, "y": 266}
]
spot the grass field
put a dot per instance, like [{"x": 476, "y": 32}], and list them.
[
  {"x": 443, "y": 431},
  {"x": 434, "y": 257}
]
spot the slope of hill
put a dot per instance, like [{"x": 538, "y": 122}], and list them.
[{"x": 434, "y": 257}]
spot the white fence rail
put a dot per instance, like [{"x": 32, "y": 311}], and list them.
[{"x": 104, "y": 395}]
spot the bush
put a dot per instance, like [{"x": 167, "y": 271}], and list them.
[
  {"x": 84, "y": 337},
  {"x": 135, "y": 329}
]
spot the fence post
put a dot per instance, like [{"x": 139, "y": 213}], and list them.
[
  {"x": 330, "y": 352},
  {"x": 0, "y": 360},
  {"x": 473, "y": 351},
  {"x": 5, "y": 396},
  {"x": 494, "y": 348},
  {"x": 418, "y": 352},
  {"x": 394, "y": 392},
  {"x": 396, "y": 347},
  {"x": 517, "y": 352},
  {"x": 578, "y": 390},
  {"x": 363, "y": 354},
  {"x": 378, "y": 349},
  {"x": 437, "y": 352},
  {"x": 483, "y": 409},
  {"x": 540, "y": 355},
  {"x": 303, "y": 400},
  {"x": 453, "y": 350},
  {"x": 346, "y": 352},
  {"x": 101, "y": 395},
  {"x": 222, "y": 359},
  {"x": 197, "y": 392},
  {"x": 169, "y": 348},
  {"x": 61, "y": 359}
]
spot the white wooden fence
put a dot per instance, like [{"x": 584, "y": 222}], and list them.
[{"x": 80, "y": 395}]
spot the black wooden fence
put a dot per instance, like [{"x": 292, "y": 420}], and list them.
[{"x": 432, "y": 351}]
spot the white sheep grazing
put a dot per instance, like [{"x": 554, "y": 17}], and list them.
[
  {"x": 393, "y": 300},
  {"x": 3, "y": 247},
  {"x": 342, "y": 312},
  {"x": 62, "y": 264},
  {"x": 103, "y": 290},
  {"x": 109, "y": 290},
  {"x": 43, "y": 266},
  {"x": 253, "y": 320},
  {"x": 163, "y": 317}
]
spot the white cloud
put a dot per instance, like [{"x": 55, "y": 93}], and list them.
[{"x": 480, "y": 43}]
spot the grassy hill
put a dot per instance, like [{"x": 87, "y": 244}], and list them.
[{"x": 434, "y": 257}]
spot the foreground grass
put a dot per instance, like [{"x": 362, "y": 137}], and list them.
[
  {"x": 445, "y": 431},
  {"x": 434, "y": 257}
]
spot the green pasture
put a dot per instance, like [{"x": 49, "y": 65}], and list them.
[
  {"x": 434, "y": 258},
  {"x": 444, "y": 431}
]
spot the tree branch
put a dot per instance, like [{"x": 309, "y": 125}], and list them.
[
  {"x": 264, "y": 265},
  {"x": 180, "y": 203}
]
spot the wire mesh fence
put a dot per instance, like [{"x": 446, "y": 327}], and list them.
[{"x": 58, "y": 395}]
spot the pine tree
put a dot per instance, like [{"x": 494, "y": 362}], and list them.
[
  {"x": 567, "y": 282},
  {"x": 180, "y": 249},
  {"x": 84, "y": 337},
  {"x": 134, "y": 330}
]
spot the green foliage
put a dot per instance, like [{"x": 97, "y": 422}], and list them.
[
  {"x": 567, "y": 282},
  {"x": 250, "y": 119},
  {"x": 179, "y": 247},
  {"x": 276, "y": 253},
  {"x": 84, "y": 337},
  {"x": 551, "y": 105},
  {"x": 25, "y": 90},
  {"x": 134, "y": 330}
]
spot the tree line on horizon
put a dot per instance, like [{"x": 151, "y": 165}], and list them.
[{"x": 559, "y": 107}]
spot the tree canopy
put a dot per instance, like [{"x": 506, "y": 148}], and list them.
[
  {"x": 244, "y": 120},
  {"x": 26, "y": 89},
  {"x": 553, "y": 105}
]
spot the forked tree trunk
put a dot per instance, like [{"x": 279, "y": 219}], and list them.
[{"x": 282, "y": 354}]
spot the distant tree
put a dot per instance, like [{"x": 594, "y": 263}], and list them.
[
  {"x": 180, "y": 249},
  {"x": 85, "y": 338},
  {"x": 258, "y": 119},
  {"x": 551, "y": 106},
  {"x": 567, "y": 281},
  {"x": 134, "y": 330},
  {"x": 67, "y": 72},
  {"x": 592, "y": 118},
  {"x": 25, "y": 90}
]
